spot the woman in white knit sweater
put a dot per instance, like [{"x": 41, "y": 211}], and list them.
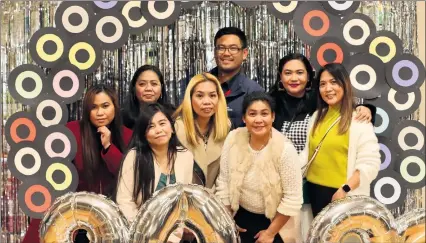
[{"x": 259, "y": 180}]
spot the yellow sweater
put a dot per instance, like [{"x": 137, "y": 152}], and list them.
[{"x": 329, "y": 167}]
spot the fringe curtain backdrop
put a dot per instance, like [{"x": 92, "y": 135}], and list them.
[{"x": 180, "y": 50}]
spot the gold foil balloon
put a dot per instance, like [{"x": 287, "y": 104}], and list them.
[
  {"x": 183, "y": 206},
  {"x": 96, "y": 214},
  {"x": 353, "y": 219},
  {"x": 411, "y": 226}
]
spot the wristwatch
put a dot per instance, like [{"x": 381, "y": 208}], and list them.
[{"x": 346, "y": 188}]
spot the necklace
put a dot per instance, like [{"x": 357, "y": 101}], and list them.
[
  {"x": 204, "y": 137},
  {"x": 263, "y": 146},
  {"x": 169, "y": 168}
]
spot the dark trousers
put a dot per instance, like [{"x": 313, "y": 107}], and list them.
[
  {"x": 253, "y": 223},
  {"x": 320, "y": 196}
]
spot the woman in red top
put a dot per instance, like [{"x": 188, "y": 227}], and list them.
[{"x": 101, "y": 141}]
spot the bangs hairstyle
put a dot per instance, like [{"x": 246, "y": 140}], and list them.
[
  {"x": 143, "y": 169},
  {"x": 347, "y": 107},
  {"x": 219, "y": 120}
]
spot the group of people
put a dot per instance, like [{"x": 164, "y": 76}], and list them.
[{"x": 264, "y": 155}]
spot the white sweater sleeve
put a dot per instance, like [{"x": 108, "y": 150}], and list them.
[
  {"x": 125, "y": 187},
  {"x": 291, "y": 181},
  {"x": 222, "y": 185},
  {"x": 367, "y": 154}
]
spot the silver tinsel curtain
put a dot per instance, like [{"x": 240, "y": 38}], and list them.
[{"x": 180, "y": 50}]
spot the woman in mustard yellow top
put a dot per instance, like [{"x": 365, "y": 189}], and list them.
[{"x": 348, "y": 158}]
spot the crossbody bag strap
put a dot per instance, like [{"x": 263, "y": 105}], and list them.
[{"x": 306, "y": 167}]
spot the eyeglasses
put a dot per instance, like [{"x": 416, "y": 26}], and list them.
[{"x": 232, "y": 50}]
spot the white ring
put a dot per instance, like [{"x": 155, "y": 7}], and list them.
[
  {"x": 285, "y": 9},
  {"x": 340, "y": 6},
  {"x": 125, "y": 11},
  {"x": 163, "y": 15},
  {"x": 415, "y": 131},
  {"x": 385, "y": 122},
  {"x": 18, "y": 161},
  {"x": 365, "y": 29},
  {"x": 63, "y": 138},
  {"x": 398, "y": 106},
  {"x": 366, "y": 68},
  {"x": 75, "y": 28},
  {"x": 378, "y": 193},
  {"x": 57, "y": 87},
  {"x": 118, "y": 29},
  {"x": 21, "y": 91},
  {"x": 58, "y": 113},
  {"x": 404, "y": 173}
]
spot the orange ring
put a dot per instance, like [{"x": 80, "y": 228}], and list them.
[
  {"x": 325, "y": 20},
  {"x": 47, "y": 198},
  {"x": 329, "y": 46},
  {"x": 22, "y": 121}
]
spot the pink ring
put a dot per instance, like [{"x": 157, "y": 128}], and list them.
[{"x": 57, "y": 79}]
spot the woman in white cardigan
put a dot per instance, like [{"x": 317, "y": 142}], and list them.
[
  {"x": 259, "y": 180},
  {"x": 343, "y": 153},
  {"x": 155, "y": 160}
]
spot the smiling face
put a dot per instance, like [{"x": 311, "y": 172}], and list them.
[
  {"x": 148, "y": 87},
  {"x": 229, "y": 53},
  {"x": 102, "y": 112},
  {"x": 294, "y": 78},
  {"x": 331, "y": 90},
  {"x": 159, "y": 131},
  {"x": 259, "y": 118},
  {"x": 204, "y": 99}
]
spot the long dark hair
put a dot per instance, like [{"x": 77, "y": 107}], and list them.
[
  {"x": 90, "y": 139},
  {"x": 290, "y": 57},
  {"x": 132, "y": 104},
  {"x": 338, "y": 71},
  {"x": 144, "y": 173}
]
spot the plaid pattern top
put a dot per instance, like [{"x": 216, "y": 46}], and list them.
[{"x": 297, "y": 132}]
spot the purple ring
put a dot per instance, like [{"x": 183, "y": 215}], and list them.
[
  {"x": 388, "y": 155},
  {"x": 398, "y": 79},
  {"x": 105, "y": 5}
]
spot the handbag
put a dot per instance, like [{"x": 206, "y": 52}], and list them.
[{"x": 306, "y": 199}]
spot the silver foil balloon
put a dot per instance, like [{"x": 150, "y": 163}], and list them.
[
  {"x": 411, "y": 226},
  {"x": 354, "y": 219},
  {"x": 98, "y": 215},
  {"x": 178, "y": 206}
]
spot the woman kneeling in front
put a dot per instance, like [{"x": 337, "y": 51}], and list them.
[
  {"x": 155, "y": 160},
  {"x": 259, "y": 180}
]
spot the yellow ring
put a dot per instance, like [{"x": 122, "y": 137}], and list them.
[
  {"x": 68, "y": 176},
  {"x": 386, "y": 40},
  {"x": 50, "y": 57},
  {"x": 82, "y": 46}
]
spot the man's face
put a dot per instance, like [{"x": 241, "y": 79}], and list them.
[{"x": 229, "y": 53}]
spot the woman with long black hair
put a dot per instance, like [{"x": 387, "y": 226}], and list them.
[
  {"x": 155, "y": 159},
  {"x": 101, "y": 141}
]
